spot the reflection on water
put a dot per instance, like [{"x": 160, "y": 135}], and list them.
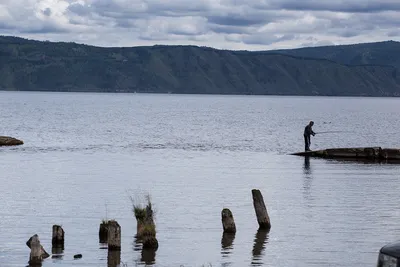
[
  {"x": 227, "y": 243},
  {"x": 35, "y": 264},
  {"x": 114, "y": 258},
  {"x": 259, "y": 245},
  {"x": 306, "y": 167},
  {"x": 308, "y": 177},
  {"x": 57, "y": 252},
  {"x": 227, "y": 247},
  {"x": 148, "y": 256},
  {"x": 137, "y": 244}
]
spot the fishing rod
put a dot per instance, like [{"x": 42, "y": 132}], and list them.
[{"x": 333, "y": 132}]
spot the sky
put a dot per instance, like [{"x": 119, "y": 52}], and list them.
[{"x": 223, "y": 24}]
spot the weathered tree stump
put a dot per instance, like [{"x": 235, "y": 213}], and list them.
[
  {"x": 144, "y": 218},
  {"x": 139, "y": 229},
  {"x": 148, "y": 234},
  {"x": 228, "y": 223},
  {"x": 260, "y": 209},
  {"x": 58, "y": 236},
  {"x": 103, "y": 232},
  {"x": 140, "y": 215},
  {"x": 114, "y": 235},
  {"x": 149, "y": 215},
  {"x": 37, "y": 251}
]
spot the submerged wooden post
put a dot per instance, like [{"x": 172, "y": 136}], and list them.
[
  {"x": 37, "y": 251},
  {"x": 114, "y": 235},
  {"x": 148, "y": 235},
  {"x": 58, "y": 236},
  {"x": 103, "y": 232},
  {"x": 149, "y": 239},
  {"x": 260, "y": 209},
  {"x": 140, "y": 215},
  {"x": 228, "y": 223}
]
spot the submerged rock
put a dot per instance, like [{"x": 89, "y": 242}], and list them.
[{"x": 10, "y": 141}]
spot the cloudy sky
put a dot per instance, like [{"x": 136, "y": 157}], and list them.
[{"x": 227, "y": 24}]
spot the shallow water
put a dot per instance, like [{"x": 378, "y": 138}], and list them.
[{"x": 85, "y": 154}]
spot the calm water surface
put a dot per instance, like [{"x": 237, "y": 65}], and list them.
[{"x": 85, "y": 154}]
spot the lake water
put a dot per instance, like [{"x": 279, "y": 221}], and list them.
[{"x": 85, "y": 154}]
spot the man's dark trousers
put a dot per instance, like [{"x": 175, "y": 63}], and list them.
[{"x": 307, "y": 142}]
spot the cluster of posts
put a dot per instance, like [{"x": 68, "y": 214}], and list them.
[
  {"x": 110, "y": 233},
  {"x": 228, "y": 222},
  {"x": 38, "y": 253}
]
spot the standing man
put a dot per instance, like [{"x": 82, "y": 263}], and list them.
[{"x": 307, "y": 134}]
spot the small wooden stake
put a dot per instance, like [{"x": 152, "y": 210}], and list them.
[
  {"x": 228, "y": 223},
  {"x": 37, "y": 251},
  {"x": 103, "y": 232},
  {"x": 260, "y": 209},
  {"x": 114, "y": 235},
  {"x": 58, "y": 236}
]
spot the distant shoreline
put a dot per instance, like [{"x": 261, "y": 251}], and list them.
[
  {"x": 197, "y": 94},
  {"x": 360, "y": 70}
]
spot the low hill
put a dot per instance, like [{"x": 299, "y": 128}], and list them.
[
  {"x": 380, "y": 53},
  {"x": 48, "y": 66}
]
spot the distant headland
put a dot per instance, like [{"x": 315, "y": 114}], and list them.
[{"x": 370, "y": 69}]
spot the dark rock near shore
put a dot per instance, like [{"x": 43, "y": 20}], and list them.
[
  {"x": 357, "y": 153},
  {"x": 10, "y": 141}
]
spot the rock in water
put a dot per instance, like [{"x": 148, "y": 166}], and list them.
[{"x": 10, "y": 141}]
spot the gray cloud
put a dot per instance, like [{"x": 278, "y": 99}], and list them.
[
  {"x": 6, "y": 26},
  {"x": 79, "y": 9},
  {"x": 266, "y": 40},
  {"x": 316, "y": 43},
  {"x": 228, "y": 29},
  {"x": 44, "y": 29},
  {"x": 235, "y": 20},
  {"x": 47, "y": 12},
  {"x": 235, "y": 24},
  {"x": 352, "y": 6}
]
